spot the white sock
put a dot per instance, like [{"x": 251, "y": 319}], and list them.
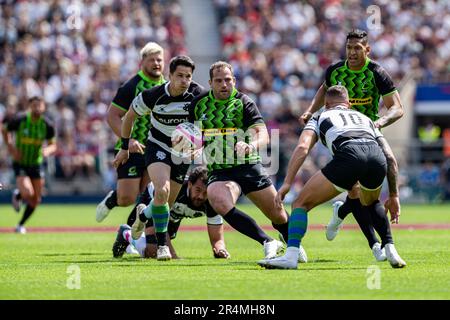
[
  {"x": 291, "y": 253},
  {"x": 139, "y": 244}
]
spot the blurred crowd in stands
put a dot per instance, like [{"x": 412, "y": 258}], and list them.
[{"x": 76, "y": 55}]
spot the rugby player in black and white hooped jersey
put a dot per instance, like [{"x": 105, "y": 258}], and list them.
[
  {"x": 360, "y": 154},
  {"x": 367, "y": 83},
  {"x": 167, "y": 106}
]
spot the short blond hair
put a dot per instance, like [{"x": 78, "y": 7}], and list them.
[{"x": 151, "y": 48}]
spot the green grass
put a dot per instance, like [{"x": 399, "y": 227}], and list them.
[{"x": 34, "y": 266}]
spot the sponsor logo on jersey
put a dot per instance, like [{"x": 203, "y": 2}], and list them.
[
  {"x": 132, "y": 171},
  {"x": 170, "y": 121},
  {"x": 219, "y": 132},
  {"x": 360, "y": 102}
]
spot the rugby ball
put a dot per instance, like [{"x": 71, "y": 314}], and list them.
[{"x": 191, "y": 137}]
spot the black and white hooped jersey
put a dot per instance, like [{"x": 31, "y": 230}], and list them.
[
  {"x": 340, "y": 125},
  {"x": 166, "y": 112}
]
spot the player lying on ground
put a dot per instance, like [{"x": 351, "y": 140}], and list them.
[
  {"x": 358, "y": 156},
  {"x": 192, "y": 203}
]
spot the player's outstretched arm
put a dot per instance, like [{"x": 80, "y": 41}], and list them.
[
  {"x": 394, "y": 108},
  {"x": 306, "y": 141},
  {"x": 216, "y": 238},
  {"x": 393, "y": 203},
  {"x": 317, "y": 102}
]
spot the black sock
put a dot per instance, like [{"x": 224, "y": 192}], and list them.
[
  {"x": 363, "y": 217},
  {"x": 111, "y": 202},
  {"x": 18, "y": 196},
  {"x": 144, "y": 198},
  {"x": 132, "y": 216},
  {"x": 245, "y": 225},
  {"x": 346, "y": 208},
  {"x": 161, "y": 238},
  {"x": 26, "y": 214},
  {"x": 381, "y": 223},
  {"x": 283, "y": 229}
]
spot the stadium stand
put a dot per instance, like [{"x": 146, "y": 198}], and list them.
[{"x": 76, "y": 55}]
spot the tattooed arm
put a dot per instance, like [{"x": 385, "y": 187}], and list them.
[{"x": 393, "y": 203}]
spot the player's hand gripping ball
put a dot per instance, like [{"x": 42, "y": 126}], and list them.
[{"x": 186, "y": 138}]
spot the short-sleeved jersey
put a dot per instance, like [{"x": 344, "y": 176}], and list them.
[
  {"x": 125, "y": 95},
  {"x": 224, "y": 123},
  {"x": 166, "y": 112},
  {"x": 340, "y": 125},
  {"x": 183, "y": 208},
  {"x": 30, "y": 136},
  {"x": 365, "y": 86}
]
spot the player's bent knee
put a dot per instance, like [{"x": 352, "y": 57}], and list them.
[{"x": 221, "y": 205}]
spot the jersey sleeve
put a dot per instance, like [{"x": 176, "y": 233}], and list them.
[
  {"x": 191, "y": 108},
  {"x": 50, "y": 130},
  {"x": 124, "y": 96},
  {"x": 383, "y": 81},
  {"x": 252, "y": 116},
  {"x": 12, "y": 124},
  {"x": 139, "y": 106},
  {"x": 328, "y": 72},
  {"x": 313, "y": 124}
]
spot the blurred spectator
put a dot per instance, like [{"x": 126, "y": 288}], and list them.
[
  {"x": 429, "y": 182},
  {"x": 76, "y": 54},
  {"x": 280, "y": 48},
  {"x": 446, "y": 179}
]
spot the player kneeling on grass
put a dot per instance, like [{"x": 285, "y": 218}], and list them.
[
  {"x": 191, "y": 202},
  {"x": 360, "y": 154}
]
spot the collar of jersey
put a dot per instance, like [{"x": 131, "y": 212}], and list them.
[
  {"x": 233, "y": 94},
  {"x": 166, "y": 88},
  {"x": 30, "y": 119},
  {"x": 360, "y": 70},
  {"x": 147, "y": 79}
]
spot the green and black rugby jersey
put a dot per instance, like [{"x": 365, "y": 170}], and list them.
[
  {"x": 125, "y": 95},
  {"x": 30, "y": 136},
  {"x": 224, "y": 123},
  {"x": 365, "y": 86}
]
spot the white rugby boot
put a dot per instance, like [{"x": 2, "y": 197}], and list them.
[
  {"x": 163, "y": 253},
  {"x": 272, "y": 248},
  {"x": 335, "y": 223},
  {"x": 393, "y": 257},
  {"x": 102, "y": 210},
  {"x": 378, "y": 253},
  {"x": 138, "y": 226}
]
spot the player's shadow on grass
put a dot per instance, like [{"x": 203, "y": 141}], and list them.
[{"x": 70, "y": 254}]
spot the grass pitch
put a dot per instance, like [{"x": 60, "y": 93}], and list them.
[{"x": 40, "y": 265}]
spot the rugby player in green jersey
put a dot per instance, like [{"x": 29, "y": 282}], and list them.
[
  {"x": 132, "y": 177},
  {"x": 234, "y": 131},
  {"x": 366, "y": 82},
  {"x": 24, "y": 136}
]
